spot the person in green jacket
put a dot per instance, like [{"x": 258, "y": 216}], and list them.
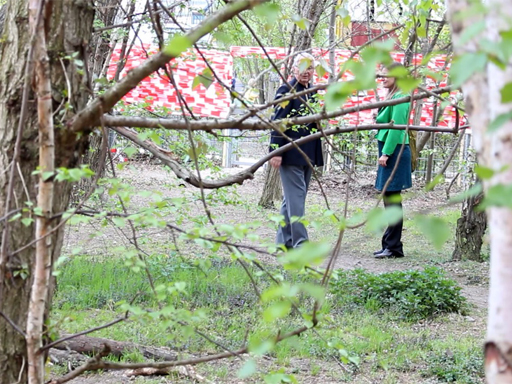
[{"x": 390, "y": 142}]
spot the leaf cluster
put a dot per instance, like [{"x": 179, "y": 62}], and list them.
[{"x": 412, "y": 294}]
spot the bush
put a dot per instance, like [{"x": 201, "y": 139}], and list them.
[
  {"x": 413, "y": 294},
  {"x": 465, "y": 367}
]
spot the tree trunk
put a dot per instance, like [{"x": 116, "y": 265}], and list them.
[
  {"x": 311, "y": 10},
  {"x": 470, "y": 231},
  {"x": 271, "y": 189},
  {"x": 482, "y": 93},
  {"x": 70, "y": 28}
]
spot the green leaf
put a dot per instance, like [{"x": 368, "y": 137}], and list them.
[
  {"x": 177, "y": 45},
  {"x": 301, "y": 22},
  {"x": 317, "y": 292},
  {"x": 47, "y": 175},
  {"x": 119, "y": 221},
  {"x": 249, "y": 368},
  {"x": 499, "y": 121},
  {"x": 26, "y": 221},
  {"x": 407, "y": 84},
  {"x": 379, "y": 219},
  {"x": 473, "y": 191},
  {"x": 259, "y": 347},
  {"x": 430, "y": 186},
  {"x": 435, "y": 229},
  {"x": 130, "y": 151},
  {"x": 506, "y": 93},
  {"x": 484, "y": 173},
  {"x": 15, "y": 217},
  {"x": 467, "y": 65},
  {"x": 471, "y": 31},
  {"x": 277, "y": 311},
  {"x": 498, "y": 195},
  {"x": 268, "y": 12},
  {"x": 308, "y": 254},
  {"x": 205, "y": 78},
  {"x": 336, "y": 95}
]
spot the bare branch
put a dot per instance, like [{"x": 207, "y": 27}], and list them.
[
  {"x": 89, "y": 116},
  {"x": 209, "y": 125}
]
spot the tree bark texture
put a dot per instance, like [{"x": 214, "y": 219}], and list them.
[
  {"x": 271, "y": 188},
  {"x": 470, "y": 231},
  {"x": 70, "y": 28},
  {"x": 494, "y": 150}
]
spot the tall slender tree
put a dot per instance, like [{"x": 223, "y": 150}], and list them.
[{"x": 486, "y": 85}]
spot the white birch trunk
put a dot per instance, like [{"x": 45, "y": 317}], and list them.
[
  {"x": 42, "y": 266},
  {"x": 483, "y": 101}
]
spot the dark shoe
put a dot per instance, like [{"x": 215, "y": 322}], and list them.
[
  {"x": 386, "y": 253},
  {"x": 379, "y": 251}
]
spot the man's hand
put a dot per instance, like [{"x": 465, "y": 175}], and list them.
[
  {"x": 383, "y": 160},
  {"x": 276, "y": 161}
]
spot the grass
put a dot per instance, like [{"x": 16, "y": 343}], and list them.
[
  {"x": 366, "y": 336},
  {"x": 370, "y": 338}
]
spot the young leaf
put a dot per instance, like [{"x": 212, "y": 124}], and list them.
[
  {"x": 434, "y": 228},
  {"x": 484, "y": 173},
  {"x": 506, "y": 93},
  {"x": 466, "y": 65},
  {"x": 277, "y": 311},
  {"x": 249, "y": 368},
  {"x": 498, "y": 195},
  {"x": 177, "y": 45},
  {"x": 336, "y": 95},
  {"x": 499, "y": 121}
]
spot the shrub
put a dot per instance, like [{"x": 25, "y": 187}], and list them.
[
  {"x": 465, "y": 367},
  {"x": 413, "y": 294}
]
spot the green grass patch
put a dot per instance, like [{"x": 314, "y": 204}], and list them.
[{"x": 367, "y": 320}]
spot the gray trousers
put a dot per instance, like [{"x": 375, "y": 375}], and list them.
[{"x": 295, "y": 180}]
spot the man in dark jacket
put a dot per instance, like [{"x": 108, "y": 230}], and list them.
[{"x": 294, "y": 167}]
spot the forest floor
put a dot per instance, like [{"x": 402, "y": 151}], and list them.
[{"x": 450, "y": 345}]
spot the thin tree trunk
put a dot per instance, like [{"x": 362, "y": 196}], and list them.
[
  {"x": 271, "y": 189},
  {"x": 470, "y": 231},
  {"x": 482, "y": 93},
  {"x": 42, "y": 266}
]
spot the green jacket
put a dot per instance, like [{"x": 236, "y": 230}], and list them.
[{"x": 400, "y": 115}]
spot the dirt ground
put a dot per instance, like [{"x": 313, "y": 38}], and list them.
[{"x": 473, "y": 280}]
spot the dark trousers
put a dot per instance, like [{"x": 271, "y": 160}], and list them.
[{"x": 392, "y": 238}]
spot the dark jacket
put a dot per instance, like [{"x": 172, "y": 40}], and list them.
[{"x": 295, "y": 107}]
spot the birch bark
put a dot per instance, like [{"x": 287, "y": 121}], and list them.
[{"x": 482, "y": 94}]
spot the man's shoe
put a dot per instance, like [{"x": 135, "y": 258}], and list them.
[
  {"x": 386, "y": 253},
  {"x": 379, "y": 251}
]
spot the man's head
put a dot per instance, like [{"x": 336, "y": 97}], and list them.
[{"x": 304, "y": 67}]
